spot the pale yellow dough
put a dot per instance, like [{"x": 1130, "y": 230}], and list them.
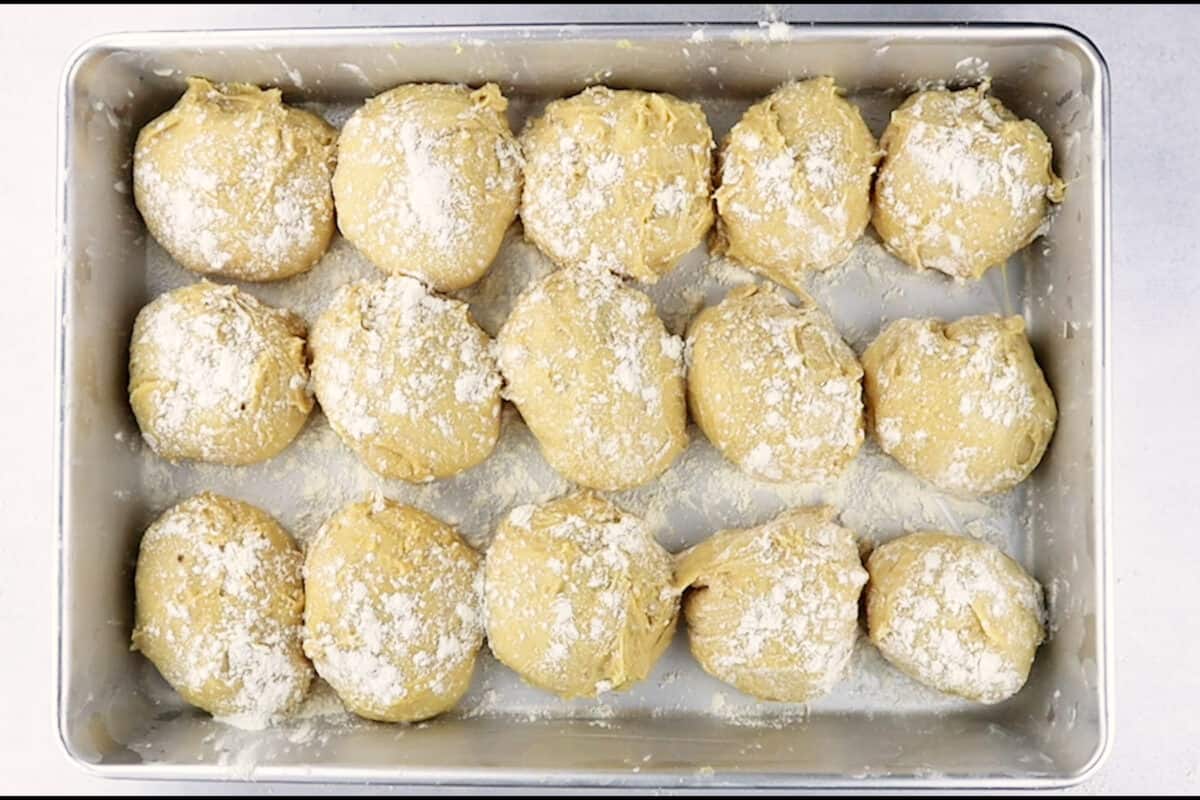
[
  {"x": 964, "y": 405},
  {"x": 795, "y": 182},
  {"x": 428, "y": 180},
  {"x": 619, "y": 180},
  {"x": 955, "y": 614},
  {"x": 407, "y": 379},
  {"x": 596, "y": 377},
  {"x": 215, "y": 375},
  {"x": 773, "y": 610},
  {"x": 394, "y": 619},
  {"x": 774, "y": 387},
  {"x": 578, "y": 596},
  {"x": 219, "y": 608},
  {"x": 232, "y": 182},
  {"x": 964, "y": 183}
]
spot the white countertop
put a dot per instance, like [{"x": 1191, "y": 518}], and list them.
[{"x": 1152, "y": 56}]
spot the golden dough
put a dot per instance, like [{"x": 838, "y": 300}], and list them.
[
  {"x": 955, "y": 614},
  {"x": 215, "y": 375},
  {"x": 774, "y": 387},
  {"x": 773, "y": 610},
  {"x": 964, "y": 183},
  {"x": 428, "y": 180},
  {"x": 219, "y": 607},
  {"x": 579, "y": 596},
  {"x": 618, "y": 180},
  {"x": 233, "y": 182},
  {"x": 407, "y": 379},
  {"x": 964, "y": 405},
  {"x": 596, "y": 377},
  {"x": 394, "y": 619},
  {"x": 795, "y": 182}
]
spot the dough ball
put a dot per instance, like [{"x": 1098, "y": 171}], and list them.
[
  {"x": 219, "y": 609},
  {"x": 233, "y": 182},
  {"x": 428, "y": 180},
  {"x": 407, "y": 379},
  {"x": 774, "y": 387},
  {"x": 955, "y": 614},
  {"x": 773, "y": 610},
  {"x": 964, "y": 405},
  {"x": 597, "y": 379},
  {"x": 215, "y": 375},
  {"x": 795, "y": 182},
  {"x": 394, "y": 617},
  {"x": 964, "y": 184},
  {"x": 578, "y": 596},
  {"x": 618, "y": 180}
]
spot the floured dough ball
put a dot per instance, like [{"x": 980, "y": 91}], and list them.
[
  {"x": 955, "y": 614},
  {"x": 795, "y": 182},
  {"x": 578, "y": 596},
  {"x": 233, "y": 182},
  {"x": 597, "y": 379},
  {"x": 774, "y": 387},
  {"x": 773, "y": 610},
  {"x": 964, "y": 183},
  {"x": 618, "y": 180},
  {"x": 215, "y": 375},
  {"x": 407, "y": 379},
  {"x": 428, "y": 180},
  {"x": 219, "y": 609},
  {"x": 964, "y": 405},
  {"x": 394, "y": 618}
]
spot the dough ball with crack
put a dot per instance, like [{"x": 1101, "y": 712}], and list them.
[
  {"x": 964, "y": 183},
  {"x": 773, "y": 610},
  {"x": 774, "y": 387},
  {"x": 618, "y": 180},
  {"x": 428, "y": 180},
  {"x": 394, "y": 619},
  {"x": 215, "y": 375},
  {"x": 407, "y": 379},
  {"x": 964, "y": 405},
  {"x": 955, "y": 614},
  {"x": 596, "y": 377},
  {"x": 233, "y": 182},
  {"x": 578, "y": 596},
  {"x": 219, "y": 603},
  {"x": 795, "y": 182}
]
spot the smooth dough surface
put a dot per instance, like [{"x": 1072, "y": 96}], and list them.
[
  {"x": 955, "y": 614},
  {"x": 795, "y": 182},
  {"x": 962, "y": 404},
  {"x": 428, "y": 180},
  {"x": 773, "y": 610},
  {"x": 578, "y": 596},
  {"x": 619, "y": 180},
  {"x": 407, "y": 379},
  {"x": 215, "y": 375},
  {"x": 394, "y": 619},
  {"x": 233, "y": 182},
  {"x": 219, "y": 609},
  {"x": 964, "y": 183},
  {"x": 596, "y": 377},
  {"x": 774, "y": 387}
]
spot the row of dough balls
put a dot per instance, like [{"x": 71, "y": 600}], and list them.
[
  {"x": 413, "y": 386},
  {"x": 426, "y": 179},
  {"x": 575, "y": 595}
]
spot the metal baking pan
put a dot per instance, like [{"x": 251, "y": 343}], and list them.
[{"x": 679, "y": 728}]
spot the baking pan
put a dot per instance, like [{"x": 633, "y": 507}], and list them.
[{"x": 679, "y": 728}]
